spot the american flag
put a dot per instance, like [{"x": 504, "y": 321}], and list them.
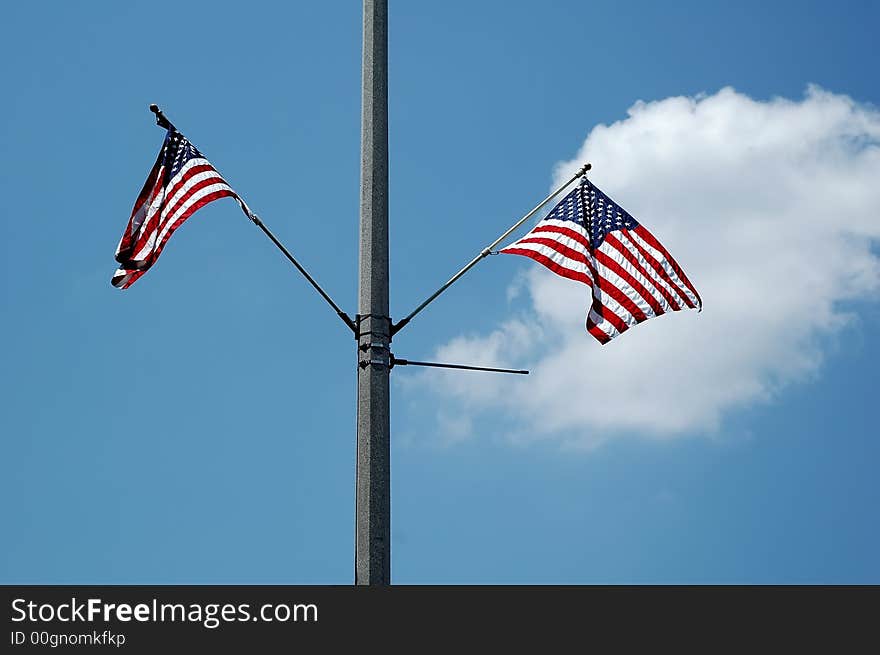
[
  {"x": 181, "y": 182},
  {"x": 589, "y": 238}
]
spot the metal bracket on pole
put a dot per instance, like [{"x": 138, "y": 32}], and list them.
[{"x": 358, "y": 319}]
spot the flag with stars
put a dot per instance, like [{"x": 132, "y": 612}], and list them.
[
  {"x": 181, "y": 182},
  {"x": 589, "y": 238}
]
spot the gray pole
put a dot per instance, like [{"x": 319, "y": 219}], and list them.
[{"x": 373, "y": 484}]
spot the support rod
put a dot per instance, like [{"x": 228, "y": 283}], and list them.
[
  {"x": 486, "y": 252},
  {"x": 409, "y": 362},
  {"x": 345, "y": 317}
]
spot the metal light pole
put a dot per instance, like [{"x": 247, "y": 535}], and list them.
[{"x": 373, "y": 485}]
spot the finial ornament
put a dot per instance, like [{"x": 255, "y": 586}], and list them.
[{"x": 161, "y": 120}]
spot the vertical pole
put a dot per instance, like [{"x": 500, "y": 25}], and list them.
[{"x": 373, "y": 488}]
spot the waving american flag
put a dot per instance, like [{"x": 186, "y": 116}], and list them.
[
  {"x": 181, "y": 182},
  {"x": 589, "y": 238}
]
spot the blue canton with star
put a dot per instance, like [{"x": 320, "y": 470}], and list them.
[
  {"x": 605, "y": 215},
  {"x": 594, "y": 211},
  {"x": 178, "y": 151}
]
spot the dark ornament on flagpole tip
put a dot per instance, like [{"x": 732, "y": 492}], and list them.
[{"x": 161, "y": 120}]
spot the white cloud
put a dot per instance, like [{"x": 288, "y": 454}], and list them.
[{"x": 771, "y": 208}]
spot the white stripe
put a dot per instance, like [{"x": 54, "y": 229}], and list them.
[
  {"x": 676, "y": 285},
  {"x": 154, "y": 208},
  {"x": 166, "y": 222},
  {"x": 683, "y": 289},
  {"x": 625, "y": 288},
  {"x": 140, "y": 216},
  {"x": 561, "y": 239},
  {"x": 580, "y": 267},
  {"x": 609, "y": 302},
  {"x": 195, "y": 179},
  {"x": 164, "y": 203},
  {"x": 554, "y": 255},
  {"x": 571, "y": 225},
  {"x": 656, "y": 279},
  {"x": 611, "y": 251},
  {"x": 602, "y": 324},
  {"x": 169, "y": 220}
]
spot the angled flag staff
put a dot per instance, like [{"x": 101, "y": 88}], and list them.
[
  {"x": 586, "y": 237},
  {"x": 181, "y": 182},
  {"x": 485, "y": 252},
  {"x": 589, "y": 238}
]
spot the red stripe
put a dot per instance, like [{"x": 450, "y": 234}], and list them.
[
  {"x": 577, "y": 236},
  {"x": 626, "y": 253},
  {"x": 155, "y": 224},
  {"x": 610, "y": 288},
  {"x": 623, "y": 328},
  {"x": 596, "y": 331},
  {"x": 191, "y": 191},
  {"x": 153, "y": 193},
  {"x": 150, "y": 185},
  {"x": 201, "y": 202},
  {"x": 549, "y": 263},
  {"x": 150, "y": 226},
  {"x": 608, "y": 315},
  {"x": 646, "y": 295},
  {"x": 647, "y": 236},
  {"x": 618, "y": 295},
  {"x": 658, "y": 268},
  {"x": 125, "y": 249},
  {"x": 189, "y": 174},
  {"x": 185, "y": 179},
  {"x": 574, "y": 255},
  {"x": 154, "y": 255}
]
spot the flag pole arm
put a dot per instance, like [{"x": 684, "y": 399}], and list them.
[
  {"x": 409, "y": 362},
  {"x": 486, "y": 251},
  {"x": 345, "y": 317},
  {"x": 162, "y": 121}
]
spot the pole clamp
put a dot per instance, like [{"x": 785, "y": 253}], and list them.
[
  {"x": 358, "y": 319},
  {"x": 374, "y": 345},
  {"x": 387, "y": 362}
]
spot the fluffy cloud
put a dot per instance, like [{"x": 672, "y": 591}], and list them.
[{"x": 771, "y": 207}]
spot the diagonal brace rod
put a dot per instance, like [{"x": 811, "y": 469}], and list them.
[
  {"x": 345, "y": 317},
  {"x": 485, "y": 252}
]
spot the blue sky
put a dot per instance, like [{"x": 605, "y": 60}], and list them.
[{"x": 199, "y": 427}]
